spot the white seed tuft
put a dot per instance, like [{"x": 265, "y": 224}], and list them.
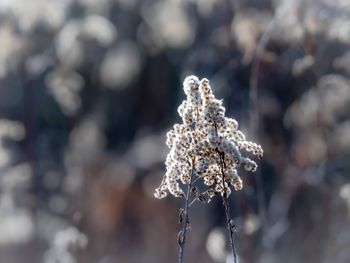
[{"x": 203, "y": 142}]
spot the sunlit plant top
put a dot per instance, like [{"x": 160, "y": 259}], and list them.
[{"x": 206, "y": 147}]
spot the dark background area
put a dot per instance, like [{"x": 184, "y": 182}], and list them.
[{"x": 89, "y": 88}]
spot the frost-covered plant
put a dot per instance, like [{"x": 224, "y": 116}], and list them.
[{"x": 207, "y": 147}]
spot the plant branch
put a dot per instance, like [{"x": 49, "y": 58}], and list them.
[
  {"x": 186, "y": 222},
  {"x": 230, "y": 225},
  {"x": 192, "y": 202}
]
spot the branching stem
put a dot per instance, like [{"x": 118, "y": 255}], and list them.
[
  {"x": 192, "y": 202},
  {"x": 186, "y": 222},
  {"x": 230, "y": 225}
]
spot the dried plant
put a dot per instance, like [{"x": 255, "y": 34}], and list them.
[{"x": 206, "y": 146}]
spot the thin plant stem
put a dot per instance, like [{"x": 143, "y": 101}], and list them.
[
  {"x": 192, "y": 202},
  {"x": 230, "y": 225},
  {"x": 186, "y": 222}
]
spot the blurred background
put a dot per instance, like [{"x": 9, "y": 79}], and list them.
[{"x": 88, "y": 89}]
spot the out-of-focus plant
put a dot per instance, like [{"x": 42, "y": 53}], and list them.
[
  {"x": 64, "y": 244},
  {"x": 206, "y": 146}
]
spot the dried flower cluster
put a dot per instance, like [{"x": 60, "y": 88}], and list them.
[{"x": 206, "y": 145}]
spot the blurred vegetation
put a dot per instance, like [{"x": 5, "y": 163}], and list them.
[{"x": 89, "y": 88}]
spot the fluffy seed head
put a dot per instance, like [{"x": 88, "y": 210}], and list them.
[{"x": 204, "y": 141}]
